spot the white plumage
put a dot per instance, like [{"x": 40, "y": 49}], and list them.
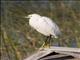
[{"x": 44, "y": 25}]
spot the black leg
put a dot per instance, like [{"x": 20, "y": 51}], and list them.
[{"x": 48, "y": 40}]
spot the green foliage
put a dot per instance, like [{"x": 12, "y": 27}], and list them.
[{"x": 19, "y": 40}]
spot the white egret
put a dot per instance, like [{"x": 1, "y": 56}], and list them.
[{"x": 44, "y": 25}]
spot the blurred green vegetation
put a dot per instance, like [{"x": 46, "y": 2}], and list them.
[{"x": 19, "y": 40}]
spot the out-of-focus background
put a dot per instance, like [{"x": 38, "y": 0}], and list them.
[{"x": 19, "y": 40}]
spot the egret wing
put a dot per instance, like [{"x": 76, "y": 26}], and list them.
[{"x": 54, "y": 27}]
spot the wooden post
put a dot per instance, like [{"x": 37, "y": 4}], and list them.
[{"x": 62, "y": 51}]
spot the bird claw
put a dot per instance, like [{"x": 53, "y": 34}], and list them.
[{"x": 43, "y": 47}]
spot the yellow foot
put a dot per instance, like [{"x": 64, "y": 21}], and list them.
[
  {"x": 44, "y": 46},
  {"x": 47, "y": 46}
]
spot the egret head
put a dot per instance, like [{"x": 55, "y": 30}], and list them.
[{"x": 32, "y": 15}]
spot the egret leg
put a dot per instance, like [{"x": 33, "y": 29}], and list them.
[{"x": 47, "y": 42}]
